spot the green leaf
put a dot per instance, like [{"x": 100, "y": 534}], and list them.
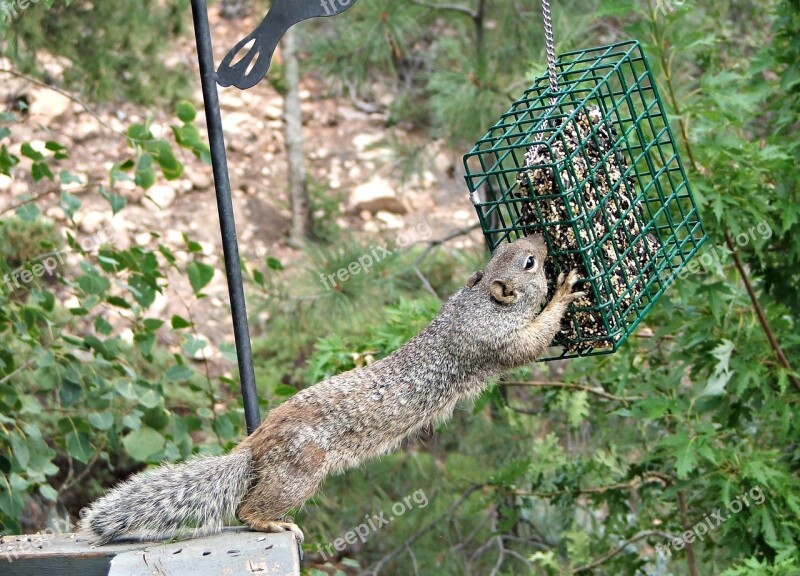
[
  {"x": 193, "y": 345},
  {"x": 48, "y": 492},
  {"x": 127, "y": 390},
  {"x": 152, "y": 324},
  {"x": 185, "y": 111},
  {"x": 116, "y": 201},
  {"x": 41, "y": 170},
  {"x": 27, "y": 212},
  {"x": 228, "y": 351},
  {"x": 145, "y": 178},
  {"x": 94, "y": 284},
  {"x": 69, "y": 204},
  {"x": 69, "y": 392},
  {"x": 274, "y": 263},
  {"x": 139, "y": 133},
  {"x": 578, "y": 408},
  {"x": 199, "y": 275},
  {"x": 722, "y": 372},
  {"x": 150, "y": 399},
  {"x": 224, "y": 427},
  {"x": 143, "y": 444},
  {"x": 178, "y": 373},
  {"x": 78, "y": 446},
  {"x": 7, "y": 160},
  {"x": 59, "y": 151},
  {"x": 101, "y": 421},
  {"x": 19, "y": 449},
  {"x": 30, "y": 152},
  {"x": 66, "y": 177},
  {"x": 165, "y": 158},
  {"x": 102, "y": 326},
  {"x": 258, "y": 278},
  {"x": 178, "y": 322}
]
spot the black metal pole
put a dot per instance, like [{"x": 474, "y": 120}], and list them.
[{"x": 222, "y": 184}]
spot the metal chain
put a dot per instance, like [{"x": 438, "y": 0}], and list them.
[{"x": 551, "y": 49}]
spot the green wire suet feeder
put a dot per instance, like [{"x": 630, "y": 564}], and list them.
[{"x": 587, "y": 158}]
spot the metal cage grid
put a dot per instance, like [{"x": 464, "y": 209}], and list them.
[{"x": 616, "y": 82}]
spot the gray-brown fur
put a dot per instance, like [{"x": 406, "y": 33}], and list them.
[{"x": 491, "y": 325}]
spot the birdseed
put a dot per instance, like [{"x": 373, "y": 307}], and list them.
[{"x": 604, "y": 219}]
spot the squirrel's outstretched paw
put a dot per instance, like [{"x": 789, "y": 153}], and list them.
[{"x": 565, "y": 284}]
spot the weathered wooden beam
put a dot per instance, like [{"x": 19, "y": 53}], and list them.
[{"x": 235, "y": 551}]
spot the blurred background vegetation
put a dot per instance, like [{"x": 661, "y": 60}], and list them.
[{"x": 583, "y": 467}]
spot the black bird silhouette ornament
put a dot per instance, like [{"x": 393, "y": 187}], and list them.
[{"x": 247, "y": 70}]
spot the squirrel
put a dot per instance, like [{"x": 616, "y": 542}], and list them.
[{"x": 494, "y": 324}]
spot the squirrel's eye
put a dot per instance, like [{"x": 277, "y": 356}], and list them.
[{"x": 530, "y": 263}]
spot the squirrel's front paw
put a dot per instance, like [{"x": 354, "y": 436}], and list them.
[{"x": 564, "y": 286}]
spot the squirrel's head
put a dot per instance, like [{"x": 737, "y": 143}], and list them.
[{"x": 515, "y": 274}]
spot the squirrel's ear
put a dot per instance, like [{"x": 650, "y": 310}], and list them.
[
  {"x": 503, "y": 291},
  {"x": 475, "y": 278}
]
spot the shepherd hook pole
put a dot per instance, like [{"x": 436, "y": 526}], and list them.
[{"x": 222, "y": 185}]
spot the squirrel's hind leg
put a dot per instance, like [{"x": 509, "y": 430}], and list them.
[{"x": 282, "y": 482}]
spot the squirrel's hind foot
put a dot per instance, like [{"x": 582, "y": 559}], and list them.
[{"x": 277, "y": 526}]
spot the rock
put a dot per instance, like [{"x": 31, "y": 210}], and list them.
[
  {"x": 47, "y": 106},
  {"x": 238, "y": 123},
  {"x": 230, "y": 99},
  {"x": 273, "y": 111},
  {"x": 390, "y": 220},
  {"x": 142, "y": 239},
  {"x": 376, "y": 195},
  {"x": 162, "y": 194},
  {"x": 369, "y": 147},
  {"x": 85, "y": 130},
  {"x": 351, "y": 114},
  {"x": 90, "y": 222},
  {"x": 200, "y": 179},
  {"x": 444, "y": 162},
  {"x": 55, "y": 213},
  {"x": 158, "y": 306}
]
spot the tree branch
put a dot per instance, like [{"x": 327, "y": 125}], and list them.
[
  {"x": 64, "y": 93},
  {"x": 636, "y": 482},
  {"x": 603, "y": 559},
  {"x": 762, "y": 317},
  {"x": 596, "y": 391},
  {"x": 691, "y": 561}
]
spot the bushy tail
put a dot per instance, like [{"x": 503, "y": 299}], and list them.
[{"x": 198, "y": 495}]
